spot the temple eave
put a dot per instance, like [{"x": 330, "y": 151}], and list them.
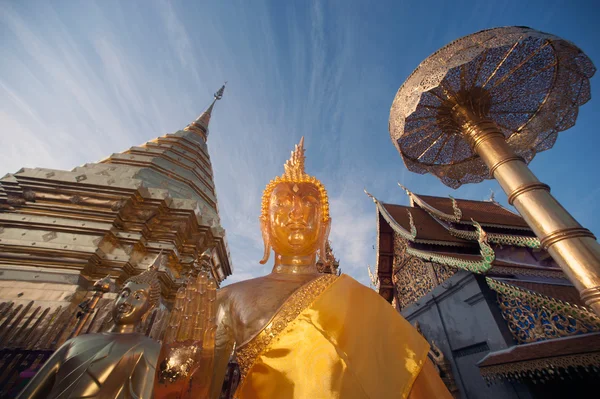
[{"x": 544, "y": 360}]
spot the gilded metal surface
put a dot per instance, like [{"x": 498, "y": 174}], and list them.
[
  {"x": 525, "y": 187},
  {"x": 295, "y": 225},
  {"x": 294, "y": 215},
  {"x": 189, "y": 342},
  {"x": 523, "y": 80},
  {"x": 200, "y": 125},
  {"x": 534, "y": 317},
  {"x": 100, "y": 287},
  {"x": 119, "y": 362},
  {"x": 495, "y": 166},
  {"x": 294, "y": 173},
  {"x": 294, "y": 305},
  {"x": 564, "y": 234},
  {"x": 113, "y": 217},
  {"x": 578, "y": 255},
  {"x": 590, "y": 296},
  {"x": 499, "y": 94}
]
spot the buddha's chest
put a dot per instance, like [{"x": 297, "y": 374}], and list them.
[{"x": 253, "y": 308}]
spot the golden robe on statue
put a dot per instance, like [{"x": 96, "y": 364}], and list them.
[
  {"x": 335, "y": 338},
  {"x": 298, "y": 333}
]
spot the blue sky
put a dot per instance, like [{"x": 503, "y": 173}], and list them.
[{"x": 82, "y": 80}]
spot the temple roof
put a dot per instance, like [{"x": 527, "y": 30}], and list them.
[
  {"x": 484, "y": 212},
  {"x": 457, "y": 225},
  {"x": 428, "y": 229},
  {"x": 446, "y": 235},
  {"x": 563, "y": 292}
]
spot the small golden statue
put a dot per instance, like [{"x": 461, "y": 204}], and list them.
[
  {"x": 189, "y": 342},
  {"x": 299, "y": 333},
  {"x": 119, "y": 363}
]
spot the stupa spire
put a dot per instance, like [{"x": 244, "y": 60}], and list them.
[{"x": 200, "y": 125}]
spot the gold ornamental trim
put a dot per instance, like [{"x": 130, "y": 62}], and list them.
[
  {"x": 590, "y": 295},
  {"x": 397, "y": 227},
  {"x": 541, "y": 369},
  {"x": 524, "y": 271},
  {"x": 540, "y": 300},
  {"x": 564, "y": 234},
  {"x": 455, "y": 217},
  {"x": 294, "y": 173},
  {"x": 479, "y": 132},
  {"x": 503, "y": 161},
  {"x": 196, "y": 128},
  {"x": 302, "y": 298},
  {"x": 525, "y": 188}
]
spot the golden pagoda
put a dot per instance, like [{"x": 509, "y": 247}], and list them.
[{"x": 60, "y": 231}]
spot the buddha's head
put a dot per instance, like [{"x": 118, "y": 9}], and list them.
[
  {"x": 139, "y": 295},
  {"x": 295, "y": 212}
]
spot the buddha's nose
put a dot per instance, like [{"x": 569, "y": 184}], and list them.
[{"x": 296, "y": 211}]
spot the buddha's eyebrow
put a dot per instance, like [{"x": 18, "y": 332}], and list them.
[{"x": 282, "y": 196}]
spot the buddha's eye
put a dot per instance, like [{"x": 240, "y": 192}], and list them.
[
  {"x": 309, "y": 201},
  {"x": 284, "y": 202}
]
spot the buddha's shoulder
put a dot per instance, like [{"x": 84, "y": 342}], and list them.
[
  {"x": 244, "y": 286},
  {"x": 269, "y": 285}
]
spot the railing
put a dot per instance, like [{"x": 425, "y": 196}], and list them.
[
  {"x": 29, "y": 334},
  {"x": 28, "y": 337}
]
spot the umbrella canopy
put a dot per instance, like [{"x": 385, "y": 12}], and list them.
[{"x": 529, "y": 83}]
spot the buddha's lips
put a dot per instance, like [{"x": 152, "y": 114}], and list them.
[
  {"x": 124, "y": 308},
  {"x": 296, "y": 226}
]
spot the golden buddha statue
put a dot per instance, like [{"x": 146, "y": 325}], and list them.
[
  {"x": 189, "y": 340},
  {"x": 119, "y": 363},
  {"x": 299, "y": 333}
]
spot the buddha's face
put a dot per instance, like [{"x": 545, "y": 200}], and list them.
[
  {"x": 132, "y": 303},
  {"x": 295, "y": 221}
]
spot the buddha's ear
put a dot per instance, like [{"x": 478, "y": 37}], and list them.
[
  {"x": 148, "y": 313},
  {"x": 324, "y": 239},
  {"x": 264, "y": 228}
]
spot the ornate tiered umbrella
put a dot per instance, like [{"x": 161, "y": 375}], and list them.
[{"x": 482, "y": 107}]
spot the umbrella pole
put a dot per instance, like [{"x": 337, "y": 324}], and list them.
[{"x": 572, "y": 246}]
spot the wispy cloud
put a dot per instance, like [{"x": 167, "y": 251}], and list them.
[
  {"x": 82, "y": 81},
  {"x": 353, "y": 235}
]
